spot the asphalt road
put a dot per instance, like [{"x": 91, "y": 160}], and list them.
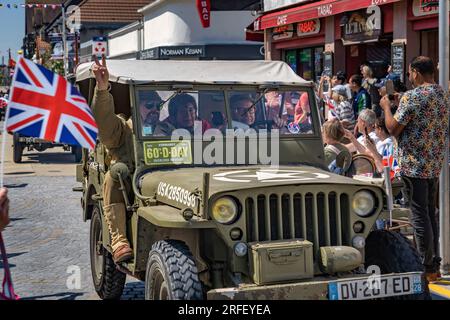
[{"x": 47, "y": 241}]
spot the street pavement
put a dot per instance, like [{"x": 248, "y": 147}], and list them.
[{"x": 47, "y": 241}]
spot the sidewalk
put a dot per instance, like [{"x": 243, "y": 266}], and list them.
[{"x": 441, "y": 288}]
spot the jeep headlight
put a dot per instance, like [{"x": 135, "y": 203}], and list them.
[
  {"x": 363, "y": 203},
  {"x": 225, "y": 210}
]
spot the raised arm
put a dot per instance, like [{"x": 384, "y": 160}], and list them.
[
  {"x": 110, "y": 126},
  {"x": 404, "y": 114}
]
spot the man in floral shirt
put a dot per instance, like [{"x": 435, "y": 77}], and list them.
[{"x": 421, "y": 126}]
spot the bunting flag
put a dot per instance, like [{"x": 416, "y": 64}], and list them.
[{"x": 30, "y": 5}]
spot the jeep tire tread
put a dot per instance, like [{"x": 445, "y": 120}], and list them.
[
  {"x": 78, "y": 153},
  {"x": 110, "y": 283},
  {"x": 393, "y": 252},
  {"x": 17, "y": 149},
  {"x": 172, "y": 273}
]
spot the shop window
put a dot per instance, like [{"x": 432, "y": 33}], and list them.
[
  {"x": 307, "y": 63},
  {"x": 306, "y": 66},
  {"x": 318, "y": 63}
]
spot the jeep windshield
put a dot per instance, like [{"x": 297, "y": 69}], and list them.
[{"x": 161, "y": 113}]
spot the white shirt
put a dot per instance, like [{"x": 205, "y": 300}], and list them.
[
  {"x": 240, "y": 125},
  {"x": 387, "y": 144}
]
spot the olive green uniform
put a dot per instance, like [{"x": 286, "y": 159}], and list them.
[{"x": 116, "y": 135}]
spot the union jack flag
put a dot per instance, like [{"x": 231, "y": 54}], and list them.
[
  {"x": 46, "y": 106},
  {"x": 330, "y": 105},
  {"x": 390, "y": 161}
]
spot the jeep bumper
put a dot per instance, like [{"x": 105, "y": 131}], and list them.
[{"x": 353, "y": 287}]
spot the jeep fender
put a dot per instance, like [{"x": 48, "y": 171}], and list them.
[
  {"x": 170, "y": 217},
  {"x": 88, "y": 203}
]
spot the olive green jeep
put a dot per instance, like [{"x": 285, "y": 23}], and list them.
[{"x": 235, "y": 200}]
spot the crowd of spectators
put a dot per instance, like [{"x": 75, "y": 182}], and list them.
[{"x": 391, "y": 126}]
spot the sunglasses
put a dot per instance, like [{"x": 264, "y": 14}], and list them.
[
  {"x": 152, "y": 104},
  {"x": 245, "y": 111}
]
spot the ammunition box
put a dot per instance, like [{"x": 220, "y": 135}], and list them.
[{"x": 277, "y": 261}]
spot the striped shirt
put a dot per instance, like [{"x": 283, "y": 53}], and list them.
[{"x": 344, "y": 111}]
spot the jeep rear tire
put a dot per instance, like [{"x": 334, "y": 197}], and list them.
[
  {"x": 108, "y": 281},
  {"x": 78, "y": 153},
  {"x": 17, "y": 149},
  {"x": 171, "y": 273},
  {"x": 392, "y": 252}
]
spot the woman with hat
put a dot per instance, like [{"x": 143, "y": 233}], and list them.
[{"x": 339, "y": 107}]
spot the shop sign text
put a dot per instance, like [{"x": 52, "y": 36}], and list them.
[
  {"x": 363, "y": 26},
  {"x": 309, "y": 27},
  {"x": 325, "y": 10},
  {"x": 283, "y": 32}
]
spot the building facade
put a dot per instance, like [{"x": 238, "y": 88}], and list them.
[
  {"x": 322, "y": 37},
  {"x": 172, "y": 29}
]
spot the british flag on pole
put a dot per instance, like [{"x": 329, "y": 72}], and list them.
[{"x": 46, "y": 106}]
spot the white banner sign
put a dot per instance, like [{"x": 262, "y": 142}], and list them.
[{"x": 275, "y": 4}]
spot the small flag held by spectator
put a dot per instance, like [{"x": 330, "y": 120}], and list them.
[{"x": 390, "y": 161}]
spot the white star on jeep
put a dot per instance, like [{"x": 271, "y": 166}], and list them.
[{"x": 269, "y": 175}]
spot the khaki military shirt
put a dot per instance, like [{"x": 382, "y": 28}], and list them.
[{"x": 113, "y": 131}]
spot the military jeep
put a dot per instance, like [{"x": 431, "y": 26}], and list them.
[
  {"x": 240, "y": 205},
  {"x": 20, "y": 143}
]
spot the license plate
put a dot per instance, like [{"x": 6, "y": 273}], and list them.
[{"x": 375, "y": 287}]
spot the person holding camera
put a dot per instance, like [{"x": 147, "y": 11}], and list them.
[
  {"x": 366, "y": 127},
  {"x": 384, "y": 147},
  {"x": 421, "y": 128}
]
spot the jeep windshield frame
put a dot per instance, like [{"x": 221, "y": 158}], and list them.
[
  {"x": 293, "y": 148},
  {"x": 228, "y": 91}
]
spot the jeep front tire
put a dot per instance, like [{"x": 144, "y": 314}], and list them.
[
  {"x": 171, "y": 273},
  {"x": 392, "y": 252}
]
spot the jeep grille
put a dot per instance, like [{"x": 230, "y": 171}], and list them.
[{"x": 321, "y": 218}]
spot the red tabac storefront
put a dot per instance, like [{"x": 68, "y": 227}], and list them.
[{"x": 305, "y": 37}]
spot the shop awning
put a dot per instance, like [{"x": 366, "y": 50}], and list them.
[
  {"x": 318, "y": 9},
  {"x": 252, "y": 33}
]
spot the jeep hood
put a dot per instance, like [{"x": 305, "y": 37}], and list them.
[{"x": 182, "y": 187}]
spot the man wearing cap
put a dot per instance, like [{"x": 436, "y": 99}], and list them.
[
  {"x": 149, "y": 107},
  {"x": 343, "y": 110}
]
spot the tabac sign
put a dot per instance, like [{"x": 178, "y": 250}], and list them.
[
  {"x": 204, "y": 11},
  {"x": 362, "y": 26}
]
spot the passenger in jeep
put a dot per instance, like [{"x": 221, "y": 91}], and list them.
[
  {"x": 149, "y": 108},
  {"x": 182, "y": 115}
]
